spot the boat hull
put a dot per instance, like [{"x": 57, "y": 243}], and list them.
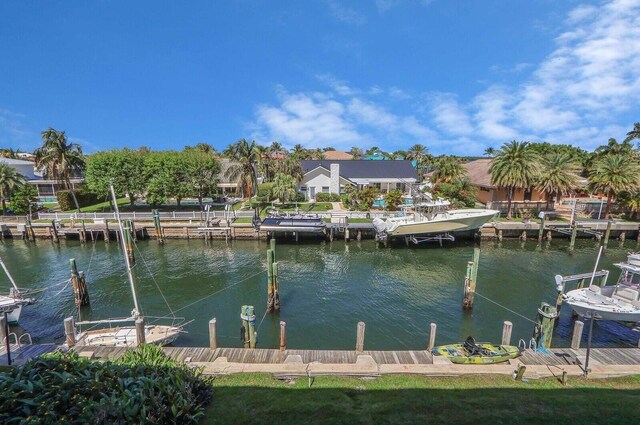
[
  {"x": 585, "y": 301},
  {"x": 457, "y": 353},
  {"x": 126, "y": 336},
  {"x": 12, "y": 307},
  {"x": 452, "y": 221}
]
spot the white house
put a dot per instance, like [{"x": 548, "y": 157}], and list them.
[
  {"x": 333, "y": 176},
  {"x": 46, "y": 188}
]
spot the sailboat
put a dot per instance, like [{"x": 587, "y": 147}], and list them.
[
  {"x": 13, "y": 302},
  {"x": 126, "y": 336}
]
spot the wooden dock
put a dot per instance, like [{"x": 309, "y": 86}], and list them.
[{"x": 21, "y": 353}]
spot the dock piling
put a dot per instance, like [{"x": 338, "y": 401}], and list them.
[
  {"x": 432, "y": 336},
  {"x": 158, "y": 227},
  {"x": 507, "y": 327},
  {"x": 607, "y": 233},
  {"x": 213, "y": 335},
  {"x": 543, "y": 330},
  {"x": 283, "y": 335},
  {"x": 4, "y": 336},
  {"x": 106, "y": 234},
  {"x": 248, "y": 326},
  {"x": 574, "y": 232},
  {"x": 54, "y": 232},
  {"x": 360, "y": 338},
  {"x": 70, "y": 331},
  {"x": 541, "y": 230},
  {"x": 578, "y": 326},
  {"x": 276, "y": 288},
  {"x": 140, "y": 336},
  {"x": 128, "y": 241},
  {"x": 270, "y": 289},
  {"x": 470, "y": 280},
  {"x": 79, "y": 283}
]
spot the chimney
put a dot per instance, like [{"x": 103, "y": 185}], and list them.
[{"x": 334, "y": 185}]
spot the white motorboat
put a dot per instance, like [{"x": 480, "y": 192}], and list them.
[
  {"x": 13, "y": 302},
  {"x": 126, "y": 336},
  {"x": 619, "y": 302},
  {"x": 433, "y": 218}
]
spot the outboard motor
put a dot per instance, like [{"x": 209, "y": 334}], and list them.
[{"x": 381, "y": 227}]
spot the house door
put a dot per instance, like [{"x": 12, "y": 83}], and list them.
[{"x": 312, "y": 192}]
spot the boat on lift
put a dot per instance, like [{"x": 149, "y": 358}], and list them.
[
  {"x": 117, "y": 335},
  {"x": 13, "y": 302},
  {"x": 432, "y": 218},
  {"x": 297, "y": 222},
  {"x": 619, "y": 302}
]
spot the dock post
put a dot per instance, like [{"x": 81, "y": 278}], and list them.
[
  {"x": 270, "y": 289},
  {"x": 128, "y": 241},
  {"x": 574, "y": 231},
  {"x": 577, "y": 335},
  {"x": 523, "y": 235},
  {"x": 140, "y": 336},
  {"x": 432, "y": 336},
  {"x": 54, "y": 232},
  {"x": 507, "y": 327},
  {"x": 4, "y": 336},
  {"x": 248, "y": 326},
  {"x": 541, "y": 231},
  {"x": 500, "y": 235},
  {"x": 543, "y": 330},
  {"x": 276, "y": 288},
  {"x": 359, "y": 235},
  {"x": 346, "y": 234},
  {"x": 520, "y": 372},
  {"x": 133, "y": 230},
  {"x": 549, "y": 235},
  {"x": 213, "y": 335},
  {"x": 360, "y": 338},
  {"x": 70, "y": 331},
  {"x": 79, "y": 283},
  {"x": 106, "y": 234},
  {"x": 156, "y": 224},
  {"x": 283, "y": 335},
  {"x": 623, "y": 236},
  {"x": 607, "y": 233},
  {"x": 272, "y": 246},
  {"x": 471, "y": 279}
]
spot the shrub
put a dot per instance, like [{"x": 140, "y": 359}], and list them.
[
  {"x": 300, "y": 197},
  {"x": 264, "y": 189},
  {"x": 327, "y": 197},
  {"x": 145, "y": 386},
  {"x": 65, "y": 199},
  {"x": 21, "y": 199}
]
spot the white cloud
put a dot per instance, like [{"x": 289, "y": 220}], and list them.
[
  {"x": 345, "y": 14},
  {"x": 448, "y": 115}
]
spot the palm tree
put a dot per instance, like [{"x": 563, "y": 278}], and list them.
[
  {"x": 612, "y": 174},
  {"x": 317, "y": 154},
  {"x": 489, "y": 151},
  {"x": 515, "y": 166},
  {"x": 57, "y": 158},
  {"x": 275, "y": 147},
  {"x": 265, "y": 162},
  {"x": 10, "y": 180},
  {"x": 292, "y": 167},
  {"x": 356, "y": 153},
  {"x": 243, "y": 168},
  {"x": 560, "y": 174},
  {"x": 633, "y": 134},
  {"x": 448, "y": 169},
  {"x": 284, "y": 187},
  {"x": 420, "y": 154},
  {"x": 299, "y": 151},
  {"x": 614, "y": 148}
]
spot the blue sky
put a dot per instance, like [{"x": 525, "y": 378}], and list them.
[{"x": 455, "y": 76}]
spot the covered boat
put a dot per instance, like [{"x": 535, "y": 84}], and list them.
[
  {"x": 302, "y": 223},
  {"x": 471, "y": 352}
]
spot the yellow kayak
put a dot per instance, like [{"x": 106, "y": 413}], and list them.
[{"x": 471, "y": 352}]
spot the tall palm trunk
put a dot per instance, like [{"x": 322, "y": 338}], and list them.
[
  {"x": 509, "y": 201},
  {"x": 608, "y": 208},
  {"x": 4, "y": 206}
]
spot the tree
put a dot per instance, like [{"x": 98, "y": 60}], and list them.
[
  {"x": 393, "y": 198},
  {"x": 202, "y": 171},
  {"x": 167, "y": 173},
  {"x": 420, "y": 154},
  {"x": 515, "y": 166},
  {"x": 202, "y": 147},
  {"x": 123, "y": 168},
  {"x": 447, "y": 170},
  {"x": 400, "y": 154},
  {"x": 22, "y": 198},
  {"x": 612, "y": 174},
  {"x": 357, "y": 153},
  {"x": 365, "y": 198},
  {"x": 630, "y": 200},
  {"x": 284, "y": 187},
  {"x": 10, "y": 180},
  {"x": 489, "y": 151},
  {"x": 614, "y": 148},
  {"x": 276, "y": 148},
  {"x": 291, "y": 166},
  {"x": 460, "y": 192},
  {"x": 317, "y": 154},
  {"x": 372, "y": 151},
  {"x": 560, "y": 174},
  {"x": 243, "y": 169},
  {"x": 298, "y": 151},
  {"x": 633, "y": 134},
  {"x": 59, "y": 159}
]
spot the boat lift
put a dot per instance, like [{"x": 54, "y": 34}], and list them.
[{"x": 417, "y": 239}]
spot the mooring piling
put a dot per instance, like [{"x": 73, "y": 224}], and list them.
[
  {"x": 432, "y": 336},
  {"x": 541, "y": 230},
  {"x": 128, "y": 241},
  {"x": 54, "y": 232},
  {"x": 607, "y": 233},
  {"x": 106, "y": 234},
  {"x": 213, "y": 334},
  {"x": 270, "y": 289},
  {"x": 283, "y": 335},
  {"x": 574, "y": 232},
  {"x": 158, "y": 227},
  {"x": 360, "y": 338},
  {"x": 470, "y": 280},
  {"x": 543, "y": 329},
  {"x": 507, "y": 327},
  {"x": 248, "y": 332},
  {"x": 276, "y": 288},
  {"x": 70, "y": 331},
  {"x": 578, "y": 326},
  {"x": 79, "y": 283},
  {"x": 140, "y": 336}
]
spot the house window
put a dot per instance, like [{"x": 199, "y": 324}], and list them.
[
  {"x": 325, "y": 189},
  {"x": 303, "y": 188}
]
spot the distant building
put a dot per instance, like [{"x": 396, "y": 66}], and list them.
[
  {"x": 326, "y": 176},
  {"x": 46, "y": 188},
  {"x": 337, "y": 155},
  {"x": 26, "y": 156}
]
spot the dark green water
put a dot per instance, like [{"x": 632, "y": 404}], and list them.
[{"x": 326, "y": 288}]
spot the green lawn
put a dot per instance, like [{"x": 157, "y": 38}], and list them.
[{"x": 477, "y": 400}]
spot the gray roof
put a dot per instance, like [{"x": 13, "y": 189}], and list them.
[{"x": 362, "y": 169}]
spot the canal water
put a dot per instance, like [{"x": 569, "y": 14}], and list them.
[{"x": 326, "y": 288}]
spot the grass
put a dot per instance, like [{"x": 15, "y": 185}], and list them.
[{"x": 260, "y": 398}]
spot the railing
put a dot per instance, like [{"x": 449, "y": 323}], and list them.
[{"x": 173, "y": 215}]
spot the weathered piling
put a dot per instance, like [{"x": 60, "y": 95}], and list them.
[
  {"x": 54, "y": 232},
  {"x": 134, "y": 234},
  {"x": 106, "y": 234},
  {"x": 213, "y": 334},
  {"x": 574, "y": 232},
  {"x": 623, "y": 236},
  {"x": 248, "y": 333},
  {"x": 270, "y": 289},
  {"x": 128, "y": 241},
  {"x": 30, "y": 233},
  {"x": 4, "y": 336},
  {"x": 507, "y": 327},
  {"x": 283, "y": 335},
  {"x": 360, "y": 338},
  {"x": 578, "y": 326},
  {"x": 432, "y": 336},
  {"x": 79, "y": 283},
  {"x": 543, "y": 330},
  {"x": 158, "y": 227},
  {"x": 140, "y": 336},
  {"x": 70, "y": 331},
  {"x": 470, "y": 280},
  {"x": 276, "y": 288},
  {"x": 607, "y": 233},
  {"x": 541, "y": 230}
]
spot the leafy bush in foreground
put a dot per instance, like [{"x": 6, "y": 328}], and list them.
[{"x": 144, "y": 386}]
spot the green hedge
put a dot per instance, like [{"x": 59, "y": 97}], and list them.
[
  {"x": 327, "y": 197},
  {"x": 65, "y": 199},
  {"x": 144, "y": 386}
]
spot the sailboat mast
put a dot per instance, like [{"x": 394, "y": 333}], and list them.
[
  {"x": 136, "y": 309},
  {"x": 8, "y": 274}
]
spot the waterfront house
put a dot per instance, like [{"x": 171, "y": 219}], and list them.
[
  {"x": 326, "y": 176},
  {"x": 46, "y": 188}
]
